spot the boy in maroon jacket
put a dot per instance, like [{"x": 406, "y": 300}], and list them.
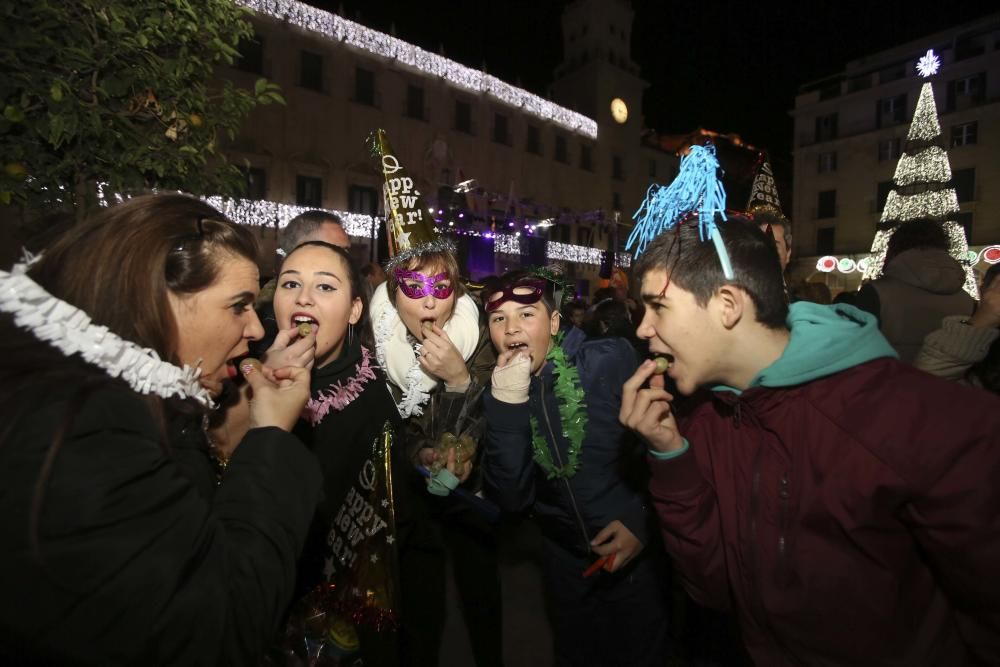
[{"x": 844, "y": 505}]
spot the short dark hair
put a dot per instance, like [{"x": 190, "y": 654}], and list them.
[
  {"x": 570, "y": 307},
  {"x": 302, "y": 225},
  {"x": 765, "y": 218},
  {"x": 694, "y": 266},
  {"x": 513, "y": 277},
  {"x": 920, "y": 233}
]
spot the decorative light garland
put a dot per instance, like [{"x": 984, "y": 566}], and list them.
[
  {"x": 380, "y": 44},
  {"x": 268, "y": 214},
  {"x": 923, "y": 171},
  {"x": 934, "y": 204},
  {"x": 829, "y": 263},
  {"x": 930, "y": 167}
]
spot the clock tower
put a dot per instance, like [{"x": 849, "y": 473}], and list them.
[{"x": 598, "y": 77}]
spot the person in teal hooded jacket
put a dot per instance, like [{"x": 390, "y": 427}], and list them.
[{"x": 843, "y": 504}]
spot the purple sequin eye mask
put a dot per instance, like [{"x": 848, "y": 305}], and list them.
[
  {"x": 524, "y": 292},
  {"x": 428, "y": 285}
]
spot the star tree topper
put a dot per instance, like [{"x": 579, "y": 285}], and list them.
[{"x": 929, "y": 64}]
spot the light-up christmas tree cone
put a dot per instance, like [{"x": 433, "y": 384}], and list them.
[{"x": 922, "y": 184}]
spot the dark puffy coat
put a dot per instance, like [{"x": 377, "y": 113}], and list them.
[
  {"x": 850, "y": 520},
  {"x": 571, "y": 512},
  {"x": 135, "y": 564}
]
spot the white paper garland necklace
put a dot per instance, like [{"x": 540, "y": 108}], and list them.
[{"x": 69, "y": 329}]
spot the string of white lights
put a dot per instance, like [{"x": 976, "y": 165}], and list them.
[
  {"x": 928, "y": 166},
  {"x": 925, "y": 125},
  {"x": 270, "y": 214},
  {"x": 933, "y": 204},
  {"x": 378, "y": 43}
]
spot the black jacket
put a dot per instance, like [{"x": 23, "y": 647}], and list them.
[
  {"x": 605, "y": 487},
  {"x": 135, "y": 564},
  {"x": 342, "y": 443}
]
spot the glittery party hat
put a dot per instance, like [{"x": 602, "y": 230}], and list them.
[
  {"x": 409, "y": 224},
  {"x": 764, "y": 192}
]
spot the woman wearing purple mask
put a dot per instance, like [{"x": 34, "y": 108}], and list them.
[{"x": 438, "y": 357}]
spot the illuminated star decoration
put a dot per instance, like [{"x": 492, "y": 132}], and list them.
[{"x": 929, "y": 64}]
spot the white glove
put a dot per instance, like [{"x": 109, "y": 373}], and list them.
[{"x": 510, "y": 383}]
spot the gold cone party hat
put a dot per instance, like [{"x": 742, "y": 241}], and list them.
[
  {"x": 764, "y": 192},
  {"x": 409, "y": 224}
]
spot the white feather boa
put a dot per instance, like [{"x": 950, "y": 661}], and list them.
[
  {"x": 69, "y": 329},
  {"x": 397, "y": 350}
]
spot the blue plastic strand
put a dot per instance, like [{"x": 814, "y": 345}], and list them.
[{"x": 696, "y": 188}]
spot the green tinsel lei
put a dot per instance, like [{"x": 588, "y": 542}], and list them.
[{"x": 572, "y": 416}]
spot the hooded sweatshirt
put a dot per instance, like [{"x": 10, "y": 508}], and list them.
[
  {"x": 918, "y": 289},
  {"x": 830, "y": 505}
]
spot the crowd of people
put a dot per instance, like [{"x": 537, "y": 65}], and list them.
[{"x": 182, "y": 439}]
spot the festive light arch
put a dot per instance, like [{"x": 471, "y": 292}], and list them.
[
  {"x": 828, "y": 263},
  {"x": 275, "y": 214}
]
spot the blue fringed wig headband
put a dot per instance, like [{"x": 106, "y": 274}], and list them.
[{"x": 697, "y": 189}]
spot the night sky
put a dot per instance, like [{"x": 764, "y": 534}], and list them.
[{"x": 733, "y": 69}]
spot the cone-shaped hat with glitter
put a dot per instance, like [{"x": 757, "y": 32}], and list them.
[
  {"x": 764, "y": 192},
  {"x": 409, "y": 225}
]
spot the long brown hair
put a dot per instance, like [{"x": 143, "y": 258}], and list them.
[{"x": 119, "y": 265}]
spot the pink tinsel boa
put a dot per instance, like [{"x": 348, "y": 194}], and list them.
[{"x": 338, "y": 396}]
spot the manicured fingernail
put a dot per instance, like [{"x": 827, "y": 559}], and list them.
[{"x": 249, "y": 366}]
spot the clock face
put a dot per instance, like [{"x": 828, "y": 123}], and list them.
[{"x": 618, "y": 110}]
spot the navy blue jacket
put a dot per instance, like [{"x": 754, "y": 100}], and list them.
[{"x": 570, "y": 512}]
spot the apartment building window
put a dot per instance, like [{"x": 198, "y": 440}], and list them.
[
  {"x": 311, "y": 70},
  {"x": 362, "y": 199},
  {"x": 826, "y": 127},
  {"x": 890, "y": 111},
  {"x": 463, "y": 117},
  {"x": 964, "y": 134},
  {"x": 364, "y": 86},
  {"x": 966, "y": 92},
  {"x": 652, "y": 168},
  {"x": 533, "y": 141},
  {"x": 964, "y": 182},
  {"x": 829, "y": 91},
  {"x": 969, "y": 46},
  {"x": 251, "y": 58},
  {"x": 309, "y": 191},
  {"x": 617, "y": 171},
  {"x": 889, "y": 149},
  {"x": 586, "y": 158},
  {"x": 415, "y": 102},
  {"x": 827, "y": 162},
  {"x": 882, "y": 194},
  {"x": 501, "y": 129},
  {"x": 561, "y": 154},
  {"x": 965, "y": 220},
  {"x": 826, "y": 204},
  {"x": 892, "y": 73},
  {"x": 825, "y": 237},
  {"x": 863, "y": 82},
  {"x": 256, "y": 182}
]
